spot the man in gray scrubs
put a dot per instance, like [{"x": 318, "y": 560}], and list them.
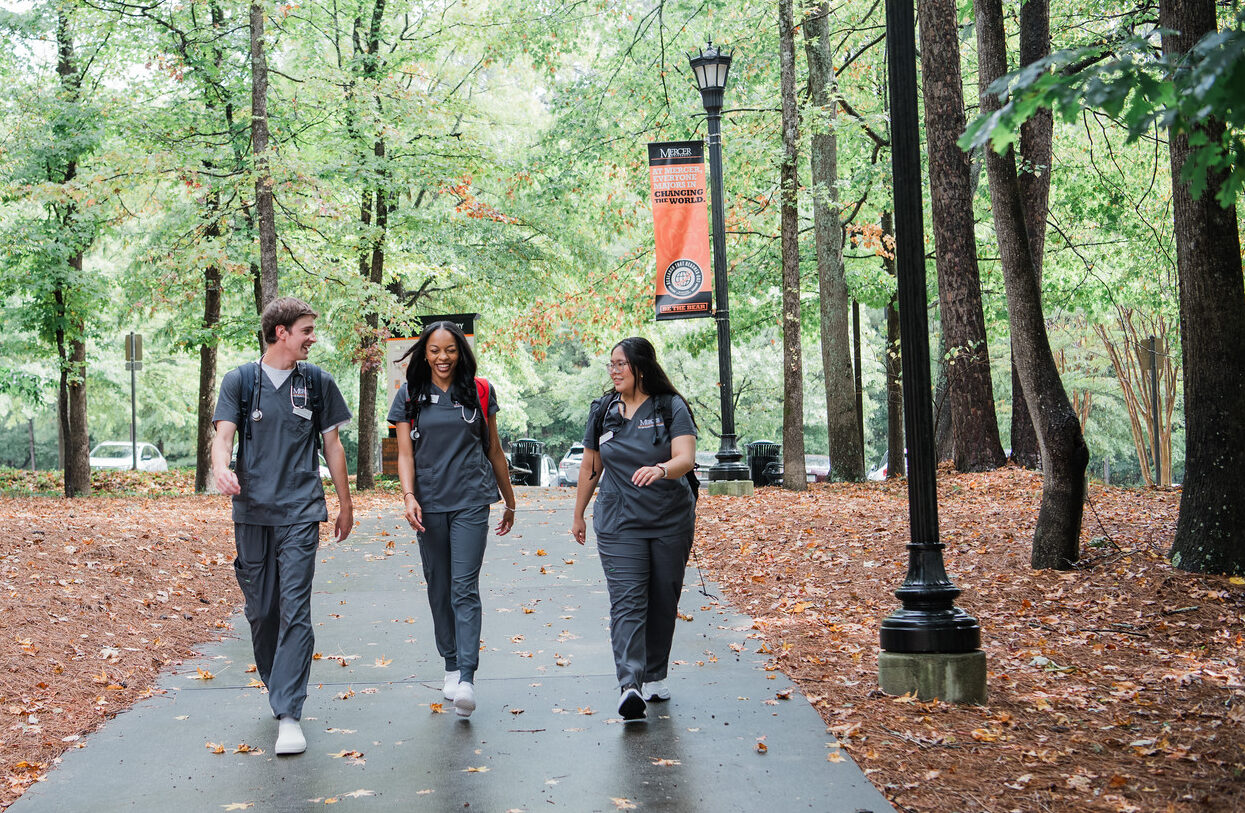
[{"x": 278, "y": 499}]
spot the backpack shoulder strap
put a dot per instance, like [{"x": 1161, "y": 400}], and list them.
[
  {"x": 314, "y": 378},
  {"x": 603, "y": 404},
  {"x": 482, "y": 392}
]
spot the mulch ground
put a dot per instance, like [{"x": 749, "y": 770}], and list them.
[{"x": 1113, "y": 687}]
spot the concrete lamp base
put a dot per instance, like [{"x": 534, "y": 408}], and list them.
[
  {"x": 730, "y": 488},
  {"x": 951, "y": 677}
]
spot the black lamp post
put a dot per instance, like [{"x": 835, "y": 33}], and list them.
[
  {"x": 711, "y": 66},
  {"x": 929, "y": 625}
]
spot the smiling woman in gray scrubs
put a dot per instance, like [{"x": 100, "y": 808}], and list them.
[
  {"x": 645, "y": 515},
  {"x": 451, "y": 464}
]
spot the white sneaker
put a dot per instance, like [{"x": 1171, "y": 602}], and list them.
[
  {"x": 290, "y": 739},
  {"x": 656, "y": 690},
  {"x": 631, "y": 705},
  {"x": 450, "y": 689},
  {"x": 465, "y": 699}
]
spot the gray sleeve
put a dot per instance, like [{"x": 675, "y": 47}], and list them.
[
  {"x": 227, "y": 402},
  {"x": 681, "y": 419},
  {"x": 397, "y": 407},
  {"x": 335, "y": 411}
]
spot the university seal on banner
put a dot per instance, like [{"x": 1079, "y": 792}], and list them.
[{"x": 683, "y": 279}]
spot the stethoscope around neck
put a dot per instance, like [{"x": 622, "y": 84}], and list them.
[
  {"x": 462, "y": 410},
  {"x": 257, "y": 414}
]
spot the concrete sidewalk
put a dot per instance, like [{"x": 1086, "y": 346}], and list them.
[{"x": 545, "y": 736}]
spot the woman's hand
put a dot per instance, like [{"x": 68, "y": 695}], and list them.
[
  {"x": 647, "y": 475},
  {"x": 579, "y": 529},
  {"x": 414, "y": 514},
  {"x": 507, "y": 521}
]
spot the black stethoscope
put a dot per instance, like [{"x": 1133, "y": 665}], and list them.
[
  {"x": 257, "y": 414},
  {"x": 461, "y": 409}
]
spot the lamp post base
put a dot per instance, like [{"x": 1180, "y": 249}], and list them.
[
  {"x": 958, "y": 677},
  {"x": 730, "y": 488}
]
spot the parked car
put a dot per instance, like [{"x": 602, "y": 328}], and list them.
[
  {"x": 568, "y": 469},
  {"x": 119, "y": 454},
  {"x": 549, "y": 474},
  {"x": 817, "y": 467}
]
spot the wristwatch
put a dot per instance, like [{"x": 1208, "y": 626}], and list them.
[{"x": 665, "y": 472}]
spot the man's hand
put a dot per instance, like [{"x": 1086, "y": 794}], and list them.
[
  {"x": 227, "y": 482},
  {"x": 344, "y": 524}
]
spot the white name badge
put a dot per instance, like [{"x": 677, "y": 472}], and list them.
[
  {"x": 434, "y": 398},
  {"x": 303, "y": 413},
  {"x": 605, "y": 438}
]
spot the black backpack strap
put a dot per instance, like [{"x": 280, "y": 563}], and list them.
[
  {"x": 665, "y": 406},
  {"x": 313, "y": 377},
  {"x": 246, "y": 394},
  {"x": 603, "y": 405}
]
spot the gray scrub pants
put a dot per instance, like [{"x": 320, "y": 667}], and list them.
[
  {"x": 274, "y": 567},
  {"x": 451, "y": 547},
  {"x": 645, "y": 579}
]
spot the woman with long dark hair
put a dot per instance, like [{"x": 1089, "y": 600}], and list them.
[
  {"x": 640, "y": 443},
  {"x": 451, "y": 465}
]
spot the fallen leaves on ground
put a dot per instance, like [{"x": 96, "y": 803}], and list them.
[{"x": 1115, "y": 686}]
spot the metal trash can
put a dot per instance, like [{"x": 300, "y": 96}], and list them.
[
  {"x": 765, "y": 462},
  {"x": 526, "y": 454}
]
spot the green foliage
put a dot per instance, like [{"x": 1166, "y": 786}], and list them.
[{"x": 1130, "y": 81}]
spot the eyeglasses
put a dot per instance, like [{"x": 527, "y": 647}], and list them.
[{"x": 613, "y": 366}]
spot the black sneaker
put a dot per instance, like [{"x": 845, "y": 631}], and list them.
[{"x": 631, "y": 705}]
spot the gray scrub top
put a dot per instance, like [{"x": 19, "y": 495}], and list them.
[
  {"x": 280, "y": 474},
  {"x": 664, "y": 508},
  {"x": 452, "y": 471}
]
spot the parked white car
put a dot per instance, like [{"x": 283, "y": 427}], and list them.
[
  {"x": 118, "y": 454},
  {"x": 568, "y": 469}
]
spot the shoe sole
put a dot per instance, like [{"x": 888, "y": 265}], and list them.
[
  {"x": 632, "y": 708},
  {"x": 464, "y": 709}
]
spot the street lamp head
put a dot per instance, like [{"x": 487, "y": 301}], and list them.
[{"x": 711, "y": 65}]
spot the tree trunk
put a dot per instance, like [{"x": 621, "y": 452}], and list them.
[
  {"x": 792, "y": 362},
  {"x": 1036, "y": 144},
  {"x": 70, "y": 324},
  {"x": 207, "y": 357},
  {"x": 1210, "y": 533},
  {"x": 373, "y": 269},
  {"x": 944, "y": 448},
  {"x": 268, "y": 280},
  {"x": 896, "y": 448},
  {"x": 1056, "y": 539},
  {"x": 846, "y": 455},
  {"x": 974, "y": 426}
]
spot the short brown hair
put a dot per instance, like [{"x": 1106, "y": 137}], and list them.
[{"x": 284, "y": 311}]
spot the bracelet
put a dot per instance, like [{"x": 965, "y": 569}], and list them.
[
  {"x": 665, "y": 473},
  {"x": 407, "y": 493},
  {"x": 507, "y": 507}
]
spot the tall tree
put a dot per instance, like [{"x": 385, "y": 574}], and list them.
[
  {"x": 70, "y": 318},
  {"x": 1056, "y": 539},
  {"x": 267, "y": 283},
  {"x": 1210, "y": 532},
  {"x": 1036, "y": 151},
  {"x": 372, "y": 253},
  {"x": 974, "y": 426},
  {"x": 847, "y": 460},
  {"x": 794, "y": 476}
]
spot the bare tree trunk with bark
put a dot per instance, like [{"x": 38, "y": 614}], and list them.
[
  {"x": 792, "y": 361},
  {"x": 846, "y": 455},
  {"x": 1210, "y": 532},
  {"x": 1056, "y": 539},
  {"x": 1036, "y": 144},
  {"x": 974, "y": 427},
  {"x": 267, "y": 283},
  {"x": 207, "y": 358}
]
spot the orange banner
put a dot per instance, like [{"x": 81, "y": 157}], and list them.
[{"x": 681, "y": 230}]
